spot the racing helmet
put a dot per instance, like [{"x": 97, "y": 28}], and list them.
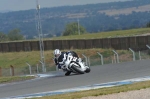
[{"x": 57, "y": 53}]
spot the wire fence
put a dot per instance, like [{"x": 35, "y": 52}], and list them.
[
  {"x": 26, "y": 70},
  {"x": 94, "y": 60}
]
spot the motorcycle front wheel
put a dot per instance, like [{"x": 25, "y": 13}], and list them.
[
  {"x": 77, "y": 69},
  {"x": 87, "y": 70}
]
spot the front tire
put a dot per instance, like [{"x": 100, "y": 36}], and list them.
[
  {"x": 77, "y": 69},
  {"x": 88, "y": 70}
]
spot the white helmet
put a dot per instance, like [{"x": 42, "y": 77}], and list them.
[{"x": 57, "y": 53}]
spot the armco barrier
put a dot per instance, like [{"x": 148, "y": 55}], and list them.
[
  {"x": 48, "y": 45},
  {"x": 1, "y": 48},
  {"x": 88, "y": 44},
  {"x": 136, "y": 43},
  {"x": 12, "y": 46},
  {"x": 34, "y": 45},
  {"x": 115, "y": 43},
  {"x": 148, "y": 40},
  {"x": 124, "y": 43},
  {"x": 66, "y": 44},
  {"x": 80, "y": 44},
  {"x": 97, "y": 43},
  {"x": 142, "y": 41},
  {"x": 133, "y": 43},
  {"x": 19, "y": 46},
  {"x": 106, "y": 43},
  {"x": 5, "y": 47},
  {"x": 26, "y": 46},
  {"x": 57, "y": 44},
  {"x": 73, "y": 44}
]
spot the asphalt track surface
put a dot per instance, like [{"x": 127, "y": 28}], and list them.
[{"x": 98, "y": 74}]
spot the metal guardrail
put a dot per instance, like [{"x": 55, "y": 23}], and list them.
[
  {"x": 34, "y": 69},
  {"x": 119, "y": 43}
]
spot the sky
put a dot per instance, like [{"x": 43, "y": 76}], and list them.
[{"x": 16, "y": 5}]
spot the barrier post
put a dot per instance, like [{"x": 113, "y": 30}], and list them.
[
  {"x": 133, "y": 54},
  {"x": 12, "y": 70},
  {"x": 37, "y": 67},
  {"x": 140, "y": 55},
  {"x": 102, "y": 60},
  {"x": 29, "y": 68},
  {"x": 86, "y": 59},
  {"x": 117, "y": 56}
]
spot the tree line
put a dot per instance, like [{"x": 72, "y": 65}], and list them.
[
  {"x": 54, "y": 20},
  {"x": 71, "y": 29},
  {"x": 13, "y": 35}
]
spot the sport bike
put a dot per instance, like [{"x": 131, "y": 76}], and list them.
[{"x": 75, "y": 65}]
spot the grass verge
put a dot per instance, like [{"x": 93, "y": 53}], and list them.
[
  {"x": 102, "y": 91},
  {"x": 109, "y": 34},
  {"x": 19, "y": 59},
  {"x": 4, "y": 80}
]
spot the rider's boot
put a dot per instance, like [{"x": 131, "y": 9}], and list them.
[
  {"x": 68, "y": 73},
  {"x": 59, "y": 67}
]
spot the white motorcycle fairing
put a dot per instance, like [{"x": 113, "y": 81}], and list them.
[{"x": 75, "y": 65}]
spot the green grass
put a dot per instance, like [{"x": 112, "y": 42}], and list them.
[
  {"x": 110, "y": 34},
  {"x": 14, "y": 79},
  {"x": 102, "y": 91},
  {"x": 19, "y": 59}
]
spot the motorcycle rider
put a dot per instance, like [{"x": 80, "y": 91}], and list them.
[{"x": 60, "y": 58}]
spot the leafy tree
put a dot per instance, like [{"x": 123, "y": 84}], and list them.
[
  {"x": 3, "y": 37},
  {"x": 15, "y": 35},
  {"x": 72, "y": 29}
]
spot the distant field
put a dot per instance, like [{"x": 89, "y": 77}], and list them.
[
  {"x": 112, "y": 12},
  {"x": 109, "y": 34},
  {"x": 126, "y": 11}
]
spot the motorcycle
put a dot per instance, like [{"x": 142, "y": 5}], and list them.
[{"x": 75, "y": 65}]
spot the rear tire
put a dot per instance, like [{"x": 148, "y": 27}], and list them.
[
  {"x": 77, "y": 69},
  {"x": 67, "y": 73}
]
